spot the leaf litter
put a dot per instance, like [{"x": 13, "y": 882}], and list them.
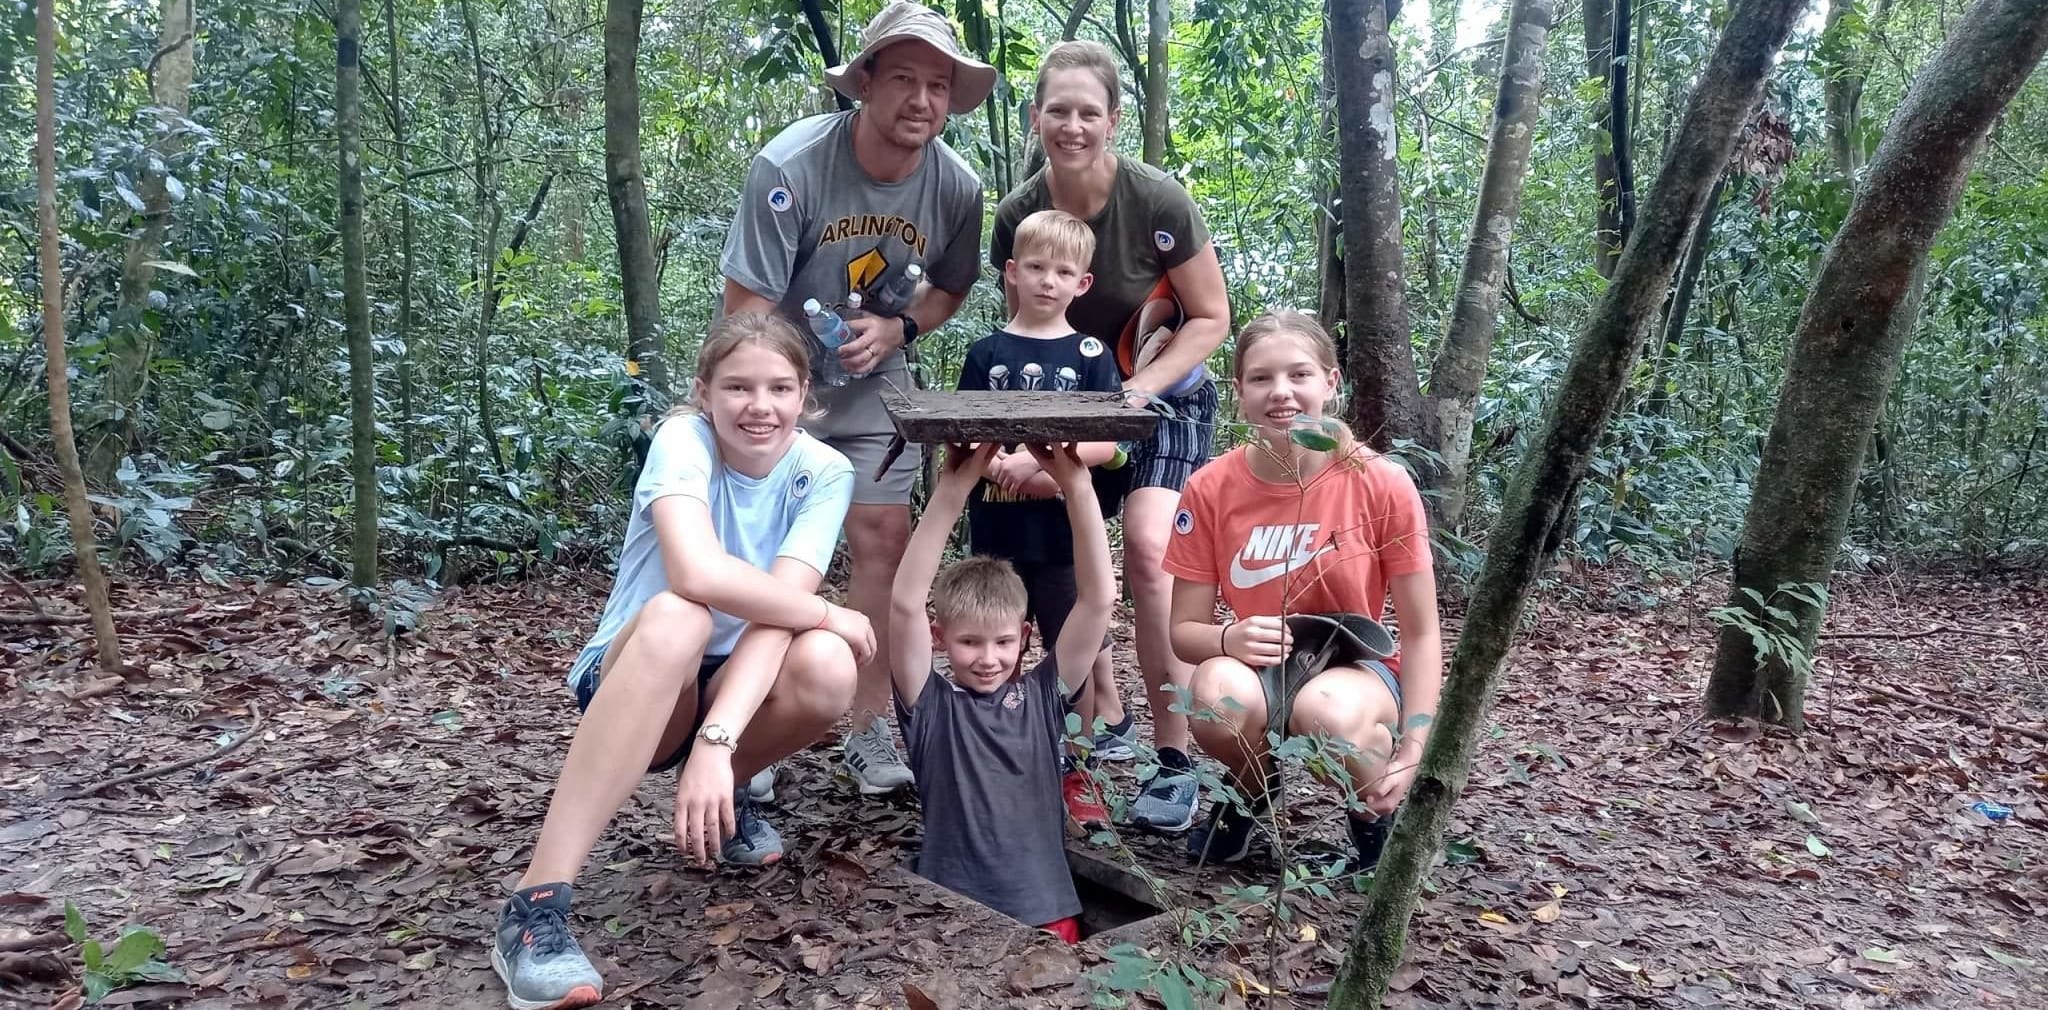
[{"x": 1610, "y": 848}]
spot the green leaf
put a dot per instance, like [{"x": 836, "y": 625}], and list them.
[
  {"x": 74, "y": 923},
  {"x": 1174, "y": 993},
  {"x": 137, "y": 946},
  {"x": 90, "y": 952},
  {"x": 1315, "y": 440},
  {"x": 97, "y": 986},
  {"x": 1461, "y": 851},
  {"x": 1882, "y": 956},
  {"x": 218, "y": 420},
  {"x": 2015, "y": 963},
  {"x": 1818, "y": 847},
  {"x": 172, "y": 266},
  {"x": 1802, "y": 812}
]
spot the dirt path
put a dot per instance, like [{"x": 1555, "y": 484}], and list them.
[{"x": 1612, "y": 852}]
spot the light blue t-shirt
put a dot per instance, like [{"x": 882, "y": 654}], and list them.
[{"x": 794, "y": 512}]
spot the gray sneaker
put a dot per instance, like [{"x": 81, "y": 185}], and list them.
[
  {"x": 761, "y": 788},
  {"x": 1168, "y": 802},
  {"x": 755, "y": 842},
  {"x": 540, "y": 963},
  {"x": 871, "y": 762},
  {"x": 1118, "y": 742}
]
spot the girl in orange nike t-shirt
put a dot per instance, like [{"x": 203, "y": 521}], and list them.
[{"x": 1273, "y": 528}]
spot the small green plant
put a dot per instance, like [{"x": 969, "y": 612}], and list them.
[
  {"x": 1773, "y": 630},
  {"x": 136, "y": 957}
]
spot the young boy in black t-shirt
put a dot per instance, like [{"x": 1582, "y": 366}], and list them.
[{"x": 1014, "y": 513}]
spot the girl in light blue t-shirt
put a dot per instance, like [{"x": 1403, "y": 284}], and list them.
[{"x": 714, "y": 653}]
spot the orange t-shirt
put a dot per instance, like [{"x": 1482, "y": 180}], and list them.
[{"x": 1269, "y": 547}]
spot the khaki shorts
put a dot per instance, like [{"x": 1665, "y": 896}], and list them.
[{"x": 855, "y": 423}]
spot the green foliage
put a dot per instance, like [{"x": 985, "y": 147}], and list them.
[
  {"x": 137, "y": 956},
  {"x": 239, "y": 460},
  {"x": 1777, "y": 633}
]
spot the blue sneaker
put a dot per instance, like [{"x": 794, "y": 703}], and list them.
[
  {"x": 755, "y": 842},
  {"x": 1118, "y": 742},
  {"x": 761, "y": 788},
  {"x": 1227, "y": 838},
  {"x": 541, "y": 964},
  {"x": 1168, "y": 802}
]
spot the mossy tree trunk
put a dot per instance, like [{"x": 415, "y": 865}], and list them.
[
  {"x": 625, "y": 186},
  {"x": 1599, "y": 369},
  {"x": 1379, "y": 348},
  {"x": 132, "y": 337},
  {"x": 83, "y": 543},
  {"x": 1846, "y": 351},
  {"x": 1460, "y": 367}
]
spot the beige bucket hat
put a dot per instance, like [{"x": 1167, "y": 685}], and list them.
[{"x": 904, "y": 21}]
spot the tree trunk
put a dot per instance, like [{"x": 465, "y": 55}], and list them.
[
  {"x": 1620, "y": 130},
  {"x": 355, "y": 297},
  {"x": 1607, "y": 237},
  {"x": 1842, "y": 71},
  {"x": 1460, "y": 368},
  {"x": 132, "y": 338},
  {"x": 814, "y": 14},
  {"x": 1680, "y": 307},
  {"x": 1159, "y": 35},
  {"x": 626, "y": 187},
  {"x": 406, "y": 447},
  {"x": 1380, "y": 352},
  {"x": 1846, "y": 350},
  {"x": 1601, "y": 362},
  {"x": 1330, "y": 230},
  {"x": 489, "y": 311},
  {"x": 83, "y": 544}
]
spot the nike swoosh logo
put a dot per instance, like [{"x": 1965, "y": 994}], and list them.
[{"x": 1248, "y": 578}]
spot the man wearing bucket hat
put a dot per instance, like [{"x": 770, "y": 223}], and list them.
[{"x": 849, "y": 202}]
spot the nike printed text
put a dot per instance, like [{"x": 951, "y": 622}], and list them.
[{"x": 1287, "y": 547}]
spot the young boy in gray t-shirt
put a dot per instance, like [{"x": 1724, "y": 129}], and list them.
[{"x": 985, "y": 743}]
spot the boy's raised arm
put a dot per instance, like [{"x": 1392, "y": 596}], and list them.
[
  {"x": 1094, "y": 580},
  {"x": 910, "y": 647}
]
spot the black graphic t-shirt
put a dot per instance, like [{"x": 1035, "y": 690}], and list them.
[{"x": 1033, "y": 529}]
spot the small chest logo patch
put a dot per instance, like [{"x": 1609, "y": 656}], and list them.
[
  {"x": 801, "y": 486},
  {"x": 1183, "y": 522},
  {"x": 1164, "y": 240},
  {"x": 1014, "y": 697},
  {"x": 781, "y": 199},
  {"x": 1091, "y": 347}
]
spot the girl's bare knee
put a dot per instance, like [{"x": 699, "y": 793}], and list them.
[
  {"x": 1228, "y": 688},
  {"x": 818, "y": 673}
]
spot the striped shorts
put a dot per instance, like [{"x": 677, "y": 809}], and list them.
[{"x": 1182, "y": 442}]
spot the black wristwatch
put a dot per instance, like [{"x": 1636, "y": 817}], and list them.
[{"x": 909, "y": 328}]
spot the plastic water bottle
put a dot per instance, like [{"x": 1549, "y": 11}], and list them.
[
  {"x": 1992, "y": 811},
  {"x": 831, "y": 331},
  {"x": 897, "y": 296},
  {"x": 853, "y": 305}
]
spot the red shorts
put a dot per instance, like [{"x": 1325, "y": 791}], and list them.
[{"x": 1068, "y": 929}]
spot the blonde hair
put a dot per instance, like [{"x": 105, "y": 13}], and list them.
[
  {"x": 1291, "y": 323},
  {"x": 1057, "y": 234},
  {"x": 1082, "y": 54},
  {"x": 981, "y": 587},
  {"x": 730, "y": 333}
]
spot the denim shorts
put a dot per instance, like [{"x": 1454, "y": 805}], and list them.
[{"x": 587, "y": 670}]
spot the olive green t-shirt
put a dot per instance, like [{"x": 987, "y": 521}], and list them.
[{"x": 1149, "y": 226}]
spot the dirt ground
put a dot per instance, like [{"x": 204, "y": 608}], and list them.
[{"x": 1613, "y": 850}]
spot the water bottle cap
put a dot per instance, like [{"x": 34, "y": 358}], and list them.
[
  {"x": 853, "y": 299},
  {"x": 811, "y": 307}
]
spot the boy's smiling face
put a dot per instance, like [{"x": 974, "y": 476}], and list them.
[{"x": 983, "y": 651}]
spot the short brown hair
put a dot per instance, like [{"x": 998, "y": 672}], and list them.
[
  {"x": 1057, "y": 234},
  {"x": 1082, "y": 54},
  {"x": 978, "y": 586}
]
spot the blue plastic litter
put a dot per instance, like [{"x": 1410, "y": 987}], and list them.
[{"x": 1993, "y": 811}]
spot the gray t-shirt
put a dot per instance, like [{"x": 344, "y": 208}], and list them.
[
  {"x": 988, "y": 777},
  {"x": 813, "y": 224}
]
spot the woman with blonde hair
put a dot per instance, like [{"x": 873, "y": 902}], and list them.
[
  {"x": 1158, "y": 305},
  {"x": 714, "y": 654},
  {"x": 1303, "y": 534}
]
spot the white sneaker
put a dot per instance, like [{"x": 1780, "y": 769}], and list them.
[
  {"x": 871, "y": 762},
  {"x": 761, "y": 788}
]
